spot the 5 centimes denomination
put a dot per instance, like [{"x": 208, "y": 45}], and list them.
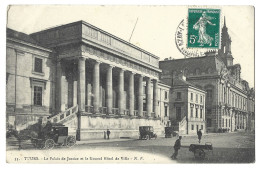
[{"x": 203, "y": 28}]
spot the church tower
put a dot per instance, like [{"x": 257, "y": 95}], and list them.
[{"x": 225, "y": 51}]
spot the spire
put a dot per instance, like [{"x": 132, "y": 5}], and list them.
[{"x": 224, "y": 21}]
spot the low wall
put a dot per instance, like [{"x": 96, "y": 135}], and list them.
[{"x": 94, "y": 127}]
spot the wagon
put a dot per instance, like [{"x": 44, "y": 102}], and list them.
[
  {"x": 199, "y": 150},
  {"x": 57, "y": 136},
  {"x": 146, "y": 132}
]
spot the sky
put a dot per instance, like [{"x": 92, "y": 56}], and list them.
[{"x": 154, "y": 31}]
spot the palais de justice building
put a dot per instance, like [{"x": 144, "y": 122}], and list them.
[{"x": 85, "y": 78}]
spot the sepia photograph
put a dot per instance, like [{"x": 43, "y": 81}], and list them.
[{"x": 137, "y": 84}]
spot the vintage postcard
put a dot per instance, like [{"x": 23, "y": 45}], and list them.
[{"x": 104, "y": 84}]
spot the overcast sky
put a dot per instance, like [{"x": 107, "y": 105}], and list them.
[{"x": 155, "y": 29}]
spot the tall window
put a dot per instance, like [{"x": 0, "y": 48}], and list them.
[
  {"x": 165, "y": 95},
  {"x": 191, "y": 96},
  {"x": 201, "y": 113},
  {"x": 37, "y": 96},
  {"x": 192, "y": 127},
  {"x": 179, "y": 95},
  {"x": 178, "y": 113},
  {"x": 201, "y": 99},
  {"x": 196, "y": 112},
  {"x": 196, "y": 98},
  {"x": 197, "y": 127},
  {"x": 201, "y": 127},
  {"x": 165, "y": 111},
  {"x": 38, "y": 65},
  {"x": 191, "y": 112}
]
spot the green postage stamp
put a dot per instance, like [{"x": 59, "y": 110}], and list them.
[{"x": 203, "y": 28}]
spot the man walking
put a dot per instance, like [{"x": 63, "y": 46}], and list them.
[
  {"x": 199, "y": 133},
  {"x": 176, "y": 147},
  {"x": 108, "y": 133}
]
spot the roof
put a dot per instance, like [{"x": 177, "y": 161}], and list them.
[
  {"x": 191, "y": 64},
  {"x": 180, "y": 82},
  {"x": 10, "y": 33}
]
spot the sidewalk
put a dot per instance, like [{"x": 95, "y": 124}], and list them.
[{"x": 104, "y": 140}]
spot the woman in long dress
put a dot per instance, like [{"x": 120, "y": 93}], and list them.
[{"x": 200, "y": 25}]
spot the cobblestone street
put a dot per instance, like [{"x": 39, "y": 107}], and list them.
[{"x": 227, "y": 148}]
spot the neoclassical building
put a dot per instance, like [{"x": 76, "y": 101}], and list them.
[
  {"x": 226, "y": 92},
  {"x": 85, "y": 78}
]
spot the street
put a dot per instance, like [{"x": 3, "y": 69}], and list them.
[{"x": 227, "y": 148}]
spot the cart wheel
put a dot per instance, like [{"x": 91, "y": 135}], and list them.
[
  {"x": 49, "y": 144},
  {"x": 70, "y": 141},
  {"x": 199, "y": 154}
]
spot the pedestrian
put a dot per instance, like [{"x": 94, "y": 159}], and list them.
[
  {"x": 199, "y": 133},
  {"x": 108, "y": 133},
  {"x": 176, "y": 147}
]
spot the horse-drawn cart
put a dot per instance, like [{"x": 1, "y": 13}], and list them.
[
  {"x": 58, "y": 135},
  {"x": 199, "y": 150}
]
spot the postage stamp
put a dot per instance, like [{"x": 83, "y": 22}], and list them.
[{"x": 203, "y": 28}]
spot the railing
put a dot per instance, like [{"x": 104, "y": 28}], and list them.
[
  {"x": 115, "y": 111},
  {"x": 135, "y": 112},
  {"x": 182, "y": 126},
  {"x": 61, "y": 116},
  {"x": 145, "y": 113},
  {"x": 126, "y": 112},
  {"x": 89, "y": 109}
]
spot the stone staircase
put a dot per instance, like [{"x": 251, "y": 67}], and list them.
[{"x": 64, "y": 116}]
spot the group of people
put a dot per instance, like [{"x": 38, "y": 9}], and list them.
[{"x": 177, "y": 144}]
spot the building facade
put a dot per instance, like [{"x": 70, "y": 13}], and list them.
[
  {"x": 30, "y": 80},
  {"x": 187, "y": 106},
  {"x": 226, "y": 93},
  {"x": 84, "y": 78}
]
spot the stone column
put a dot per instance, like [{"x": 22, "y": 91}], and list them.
[
  {"x": 109, "y": 90},
  {"x": 148, "y": 96},
  {"x": 131, "y": 94},
  {"x": 140, "y": 96},
  {"x": 60, "y": 86},
  {"x": 96, "y": 77},
  {"x": 81, "y": 84},
  {"x": 75, "y": 88},
  {"x": 155, "y": 97},
  {"x": 121, "y": 104}
]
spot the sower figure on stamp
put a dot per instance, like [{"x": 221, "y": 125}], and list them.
[
  {"x": 108, "y": 133},
  {"x": 176, "y": 147},
  {"x": 199, "y": 133}
]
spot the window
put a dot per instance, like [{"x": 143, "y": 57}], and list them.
[
  {"x": 178, "y": 95},
  {"x": 165, "y": 95},
  {"x": 196, "y": 112},
  {"x": 209, "y": 94},
  {"x": 191, "y": 112},
  {"x": 201, "y": 127},
  {"x": 37, "y": 96},
  {"x": 208, "y": 122},
  {"x": 178, "y": 113},
  {"x": 201, "y": 99},
  {"x": 226, "y": 123},
  {"x": 192, "y": 127},
  {"x": 38, "y": 65},
  {"x": 197, "y": 127},
  {"x": 196, "y": 98},
  {"x": 191, "y": 96},
  {"x": 165, "y": 111},
  {"x": 144, "y": 90},
  {"x": 201, "y": 113},
  {"x": 223, "y": 122}
]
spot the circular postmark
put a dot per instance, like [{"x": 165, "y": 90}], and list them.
[{"x": 181, "y": 42}]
